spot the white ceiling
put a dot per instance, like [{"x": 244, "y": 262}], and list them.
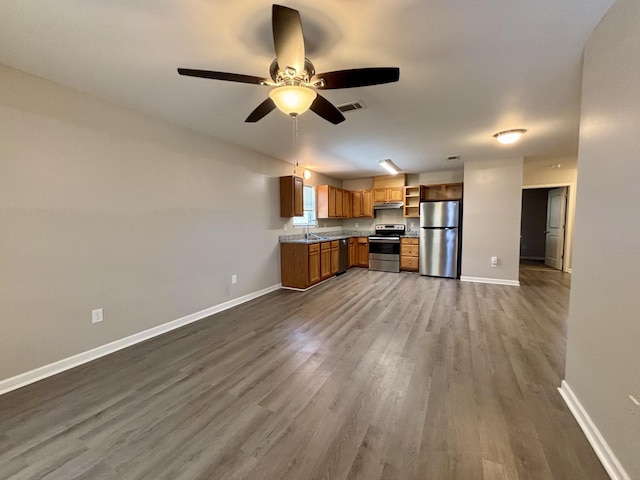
[{"x": 468, "y": 68}]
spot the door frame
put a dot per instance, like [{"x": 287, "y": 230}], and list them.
[{"x": 570, "y": 219}]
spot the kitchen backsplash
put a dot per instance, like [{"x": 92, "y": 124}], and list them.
[{"x": 382, "y": 216}]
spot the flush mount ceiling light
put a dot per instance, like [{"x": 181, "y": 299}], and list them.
[
  {"x": 293, "y": 99},
  {"x": 509, "y": 136},
  {"x": 306, "y": 174},
  {"x": 391, "y": 167}
]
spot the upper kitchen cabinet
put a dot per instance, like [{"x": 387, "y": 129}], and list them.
[
  {"x": 330, "y": 201},
  {"x": 291, "y": 188},
  {"x": 388, "y": 189},
  {"x": 388, "y": 194},
  {"x": 362, "y": 204},
  {"x": 348, "y": 204},
  {"x": 443, "y": 191},
  {"x": 412, "y": 197},
  {"x": 339, "y": 202},
  {"x": 334, "y": 202}
]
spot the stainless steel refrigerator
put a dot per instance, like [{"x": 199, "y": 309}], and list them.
[{"x": 440, "y": 238}]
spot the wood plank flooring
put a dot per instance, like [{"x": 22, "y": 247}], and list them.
[{"x": 370, "y": 376}]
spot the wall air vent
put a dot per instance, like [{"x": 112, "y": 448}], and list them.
[{"x": 348, "y": 107}]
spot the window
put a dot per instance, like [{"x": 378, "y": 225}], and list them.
[{"x": 309, "y": 207}]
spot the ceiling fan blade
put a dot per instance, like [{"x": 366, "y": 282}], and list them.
[
  {"x": 324, "y": 108},
  {"x": 261, "y": 110},
  {"x": 288, "y": 39},
  {"x": 229, "y": 77},
  {"x": 357, "y": 77}
]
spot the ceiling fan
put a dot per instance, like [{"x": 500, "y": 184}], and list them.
[{"x": 294, "y": 76}]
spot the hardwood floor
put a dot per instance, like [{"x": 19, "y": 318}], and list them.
[{"x": 369, "y": 376}]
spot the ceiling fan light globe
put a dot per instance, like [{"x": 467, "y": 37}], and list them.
[{"x": 293, "y": 99}]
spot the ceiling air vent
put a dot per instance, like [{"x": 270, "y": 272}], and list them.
[
  {"x": 452, "y": 158},
  {"x": 348, "y": 107}
]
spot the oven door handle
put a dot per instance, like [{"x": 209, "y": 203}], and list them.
[{"x": 384, "y": 239}]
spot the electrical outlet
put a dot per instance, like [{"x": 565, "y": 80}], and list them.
[
  {"x": 234, "y": 279},
  {"x": 411, "y": 225},
  {"x": 356, "y": 224},
  {"x": 285, "y": 226},
  {"x": 96, "y": 315},
  {"x": 494, "y": 261}
]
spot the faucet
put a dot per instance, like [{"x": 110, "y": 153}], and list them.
[{"x": 309, "y": 224}]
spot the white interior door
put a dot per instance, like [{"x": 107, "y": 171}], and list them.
[{"x": 556, "y": 217}]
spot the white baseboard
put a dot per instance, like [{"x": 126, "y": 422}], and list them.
[
  {"x": 494, "y": 281},
  {"x": 597, "y": 441},
  {"x": 54, "y": 368}
]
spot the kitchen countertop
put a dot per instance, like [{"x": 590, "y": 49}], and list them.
[{"x": 338, "y": 235}]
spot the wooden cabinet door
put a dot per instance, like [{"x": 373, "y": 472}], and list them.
[
  {"x": 367, "y": 204},
  {"x": 339, "y": 202},
  {"x": 357, "y": 204},
  {"x": 347, "y": 204},
  {"x": 325, "y": 260},
  {"x": 353, "y": 255},
  {"x": 395, "y": 194},
  {"x": 332, "y": 202},
  {"x": 363, "y": 252},
  {"x": 380, "y": 195},
  {"x": 291, "y": 191},
  {"x": 298, "y": 205},
  {"x": 314, "y": 266},
  {"x": 322, "y": 201},
  {"x": 335, "y": 258}
]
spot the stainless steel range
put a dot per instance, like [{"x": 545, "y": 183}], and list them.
[{"x": 384, "y": 247}]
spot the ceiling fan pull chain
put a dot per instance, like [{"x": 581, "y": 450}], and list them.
[{"x": 295, "y": 143}]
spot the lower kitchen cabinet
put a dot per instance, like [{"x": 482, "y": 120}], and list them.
[
  {"x": 363, "y": 252},
  {"x": 314, "y": 264},
  {"x": 409, "y": 254},
  {"x": 353, "y": 252},
  {"x": 335, "y": 257},
  {"x": 299, "y": 264},
  {"x": 303, "y": 265},
  {"x": 325, "y": 260}
]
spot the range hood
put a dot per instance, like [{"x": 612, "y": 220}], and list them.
[{"x": 387, "y": 205}]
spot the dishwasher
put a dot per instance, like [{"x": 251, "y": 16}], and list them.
[{"x": 343, "y": 256}]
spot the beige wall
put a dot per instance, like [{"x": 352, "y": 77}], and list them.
[
  {"x": 603, "y": 351},
  {"x": 491, "y": 219},
  {"x": 358, "y": 184},
  {"x": 104, "y": 207},
  {"x": 431, "y": 178},
  {"x": 540, "y": 171}
]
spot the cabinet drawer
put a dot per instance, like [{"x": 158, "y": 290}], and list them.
[
  {"x": 325, "y": 246},
  {"x": 315, "y": 247},
  {"x": 410, "y": 241},
  {"x": 409, "y": 263},
  {"x": 335, "y": 243},
  {"x": 410, "y": 250}
]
